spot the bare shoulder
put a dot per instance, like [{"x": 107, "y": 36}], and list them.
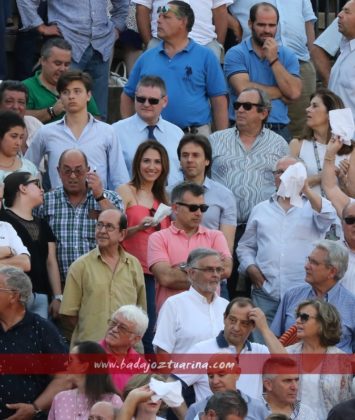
[{"x": 295, "y": 147}]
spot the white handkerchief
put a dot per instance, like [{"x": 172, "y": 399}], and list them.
[
  {"x": 169, "y": 392},
  {"x": 342, "y": 124},
  {"x": 162, "y": 211},
  {"x": 292, "y": 181}
]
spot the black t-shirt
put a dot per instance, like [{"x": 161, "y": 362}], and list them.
[
  {"x": 32, "y": 335},
  {"x": 35, "y": 235}
]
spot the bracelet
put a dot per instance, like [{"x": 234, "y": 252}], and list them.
[
  {"x": 329, "y": 159},
  {"x": 273, "y": 61},
  {"x": 37, "y": 410}
]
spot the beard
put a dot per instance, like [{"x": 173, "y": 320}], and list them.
[{"x": 258, "y": 41}]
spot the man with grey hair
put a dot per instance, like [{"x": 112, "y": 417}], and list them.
[
  {"x": 126, "y": 328},
  {"x": 176, "y": 330},
  {"x": 325, "y": 266},
  {"x": 278, "y": 238},
  {"x": 23, "y": 332}
]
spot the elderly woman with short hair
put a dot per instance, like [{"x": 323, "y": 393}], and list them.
[{"x": 319, "y": 329}]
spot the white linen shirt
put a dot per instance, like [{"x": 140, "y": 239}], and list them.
[
  {"x": 9, "y": 237},
  {"x": 348, "y": 280},
  {"x": 188, "y": 318},
  {"x": 278, "y": 242},
  {"x": 250, "y": 384}
]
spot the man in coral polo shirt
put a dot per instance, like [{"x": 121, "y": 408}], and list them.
[{"x": 169, "y": 248}]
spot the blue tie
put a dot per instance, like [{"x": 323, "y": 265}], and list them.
[{"x": 151, "y": 135}]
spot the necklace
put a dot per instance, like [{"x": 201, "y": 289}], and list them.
[{"x": 9, "y": 166}]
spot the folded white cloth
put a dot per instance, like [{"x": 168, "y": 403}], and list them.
[
  {"x": 342, "y": 124},
  {"x": 162, "y": 211},
  {"x": 169, "y": 392},
  {"x": 292, "y": 182}
]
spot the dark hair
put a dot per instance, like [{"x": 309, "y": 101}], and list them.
[
  {"x": 242, "y": 302},
  {"x": 180, "y": 189},
  {"x": 72, "y": 76},
  {"x": 152, "y": 81},
  {"x": 159, "y": 185},
  {"x": 185, "y": 11},
  {"x": 12, "y": 85},
  {"x": 96, "y": 385},
  {"x": 226, "y": 403},
  {"x": 62, "y": 156},
  {"x": 329, "y": 321},
  {"x": 122, "y": 224},
  {"x": 201, "y": 141},
  {"x": 57, "y": 42},
  {"x": 331, "y": 101},
  {"x": 11, "y": 186},
  {"x": 254, "y": 10},
  {"x": 9, "y": 119}
]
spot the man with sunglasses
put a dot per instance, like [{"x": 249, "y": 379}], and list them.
[
  {"x": 277, "y": 239},
  {"x": 169, "y": 248},
  {"x": 147, "y": 123},
  {"x": 102, "y": 280},
  {"x": 325, "y": 267},
  {"x": 192, "y": 74},
  {"x": 260, "y": 62}
]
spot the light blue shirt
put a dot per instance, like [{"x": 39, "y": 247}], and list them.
[
  {"x": 278, "y": 241},
  {"x": 97, "y": 141},
  {"x": 291, "y": 29},
  {"x": 338, "y": 296},
  {"x": 133, "y": 131},
  {"x": 82, "y": 23}
]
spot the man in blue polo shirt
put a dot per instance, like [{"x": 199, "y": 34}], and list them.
[
  {"x": 260, "y": 62},
  {"x": 192, "y": 74}
]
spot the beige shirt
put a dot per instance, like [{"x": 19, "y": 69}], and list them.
[{"x": 93, "y": 292}]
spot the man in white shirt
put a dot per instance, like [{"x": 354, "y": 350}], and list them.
[
  {"x": 176, "y": 330},
  {"x": 277, "y": 240},
  {"x": 150, "y": 99}
]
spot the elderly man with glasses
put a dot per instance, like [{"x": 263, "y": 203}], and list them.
[
  {"x": 277, "y": 240},
  {"x": 102, "y": 280}
]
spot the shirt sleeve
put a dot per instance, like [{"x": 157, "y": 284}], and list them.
[
  {"x": 229, "y": 211},
  {"x": 247, "y": 246},
  {"x": 167, "y": 326},
  {"x": 290, "y": 62},
  {"x": 157, "y": 250},
  {"x": 307, "y": 11},
  {"x": 15, "y": 241},
  {"x": 330, "y": 39},
  {"x": 278, "y": 324},
  {"x": 215, "y": 82},
  {"x": 220, "y": 244},
  {"x": 118, "y": 173},
  {"x": 36, "y": 151},
  {"x": 28, "y": 11},
  {"x": 324, "y": 219},
  {"x": 119, "y": 12},
  {"x": 73, "y": 290},
  {"x": 235, "y": 62}
]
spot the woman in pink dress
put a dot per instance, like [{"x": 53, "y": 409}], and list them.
[{"x": 141, "y": 197}]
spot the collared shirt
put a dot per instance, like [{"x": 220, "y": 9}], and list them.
[
  {"x": 132, "y": 131},
  {"x": 246, "y": 172},
  {"x": 341, "y": 80},
  {"x": 98, "y": 141},
  {"x": 81, "y": 23},
  {"x": 173, "y": 246},
  {"x": 32, "y": 335},
  {"x": 338, "y": 296},
  {"x": 243, "y": 59},
  {"x": 39, "y": 97},
  {"x": 73, "y": 226},
  {"x": 278, "y": 241},
  {"x": 176, "y": 331},
  {"x": 291, "y": 30},
  {"x": 348, "y": 280},
  {"x": 10, "y": 238},
  {"x": 250, "y": 384},
  {"x": 330, "y": 39},
  {"x": 300, "y": 411},
  {"x": 93, "y": 292},
  {"x": 192, "y": 77}
]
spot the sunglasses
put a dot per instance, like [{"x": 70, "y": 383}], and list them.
[
  {"x": 246, "y": 105},
  {"x": 349, "y": 220},
  {"x": 194, "y": 207},
  {"x": 304, "y": 317},
  {"x": 151, "y": 101},
  {"x": 37, "y": 182},
  {"x": 162, "y": 10},
  {"x": 278, "y": 172}
]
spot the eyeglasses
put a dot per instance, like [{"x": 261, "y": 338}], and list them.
[
  {"x": 349, "y": 220},
  {"x": 246, "y": 105},
  {"x": 120, "y": 327},
  {"x": 109, "y": 227},
  {"x": 77, "y": 171},
  {"x": 165, "y": 9},
  {"x": 304, "y": 317},
  {"x": 312, "y": 261},
  {"x": 194, "y": 207},
  {"x": 151, "y": 101},
  {"x": 278, "y": 172},
  {"x": 3, "y": 289},
  {"x": 210, "y": 270},
  {"x": 37, "y": 182}
]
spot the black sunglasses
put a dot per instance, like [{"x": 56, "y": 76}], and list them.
[
  {"x": 304, "y": 317},
  {"x": 152, "y": 101},
  {"x": 349, "y": 220},
  {"x": 37, "y": 182},
  {"x": 195, "y": 207},
  {"x": 246, "y": 105}
]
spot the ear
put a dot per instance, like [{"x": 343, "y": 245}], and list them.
[
  {"x": 267, "y": 384},
  {"x": 22, "y": 188},
  {"x": 89, "y": 95},
  {"x": 165, "y": 101}
]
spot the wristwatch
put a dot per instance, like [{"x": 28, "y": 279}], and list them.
[
  {"x": 36, "y": 409},
  {"x": 103, "y": 196},
  {"x": 58, "y": 297}
]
